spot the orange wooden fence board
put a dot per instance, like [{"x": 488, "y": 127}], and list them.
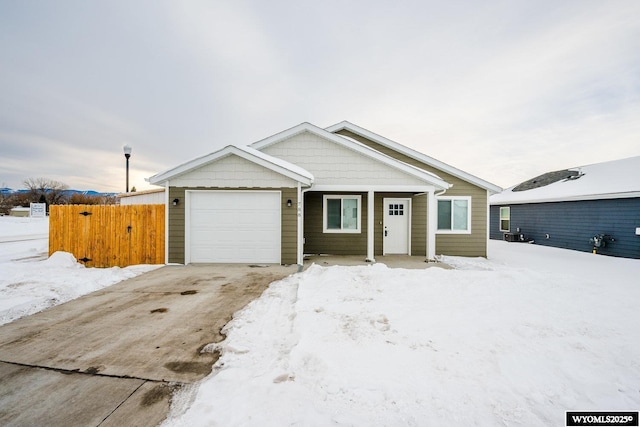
[{"x": 109, "y": 235}]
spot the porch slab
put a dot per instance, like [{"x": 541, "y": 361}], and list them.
[{"x": 391, "y": 261}]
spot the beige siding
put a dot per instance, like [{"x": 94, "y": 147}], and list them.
[
  {"x": 474, "y": 244},
  {"x": 333, "y": 164},
  {"x": 177, "y": 222},
  {"x": 233, "y": 172},
  {"x": 317, "y": 242},
  {"x": 176, "y": 226},
  {"x": 289, "y": 227},
  {"x": 419, "y": 225}
]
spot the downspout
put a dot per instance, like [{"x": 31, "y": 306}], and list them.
[
  {"x": 301, "y": 194},
  {"x": 488, "y": 220},
  {"x": 166, "y": 222},
  {"x": 370, "y": 226},
  {"x": 299, "y": 226}
]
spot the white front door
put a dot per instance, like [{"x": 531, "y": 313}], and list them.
[{"x": 397, "y": 220}]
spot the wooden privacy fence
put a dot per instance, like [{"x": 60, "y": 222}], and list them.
[{"x": 108, "y": 235}]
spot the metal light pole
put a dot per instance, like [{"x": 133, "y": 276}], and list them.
[{"x": 127, "y": 154}]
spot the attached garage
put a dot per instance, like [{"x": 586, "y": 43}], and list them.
[{"x": 233, "y": 226}]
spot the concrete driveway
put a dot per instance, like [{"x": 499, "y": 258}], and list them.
[{"x": 114, "y": 357}]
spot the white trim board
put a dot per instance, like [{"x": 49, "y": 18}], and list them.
[{"x": 376, "y": 188}]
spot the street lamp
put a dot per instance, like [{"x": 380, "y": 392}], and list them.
[{"x": 127, "y": 154}]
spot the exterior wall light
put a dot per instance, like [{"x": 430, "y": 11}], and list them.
[
  {"x": 289, "y": 203},
  {"x": 176, "y": 202}
]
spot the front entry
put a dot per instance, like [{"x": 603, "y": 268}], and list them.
[{"x": 397, "y": 220}]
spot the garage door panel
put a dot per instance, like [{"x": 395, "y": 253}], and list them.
[{"x": 234, "y": 226}]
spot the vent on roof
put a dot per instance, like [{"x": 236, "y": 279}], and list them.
[{"x": 548, "y": 178}]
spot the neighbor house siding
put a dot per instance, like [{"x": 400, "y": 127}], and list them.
[
  {"x": 494, "y": 223},
  {"x": 318, "y": 242},
  {"x": 474, "y": 244},
  {"x": 150, "y": 197},
  {"x": 289, "y": 222},
  {"x": 570, "y": 225}
]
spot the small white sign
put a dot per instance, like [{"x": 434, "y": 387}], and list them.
[{"x": 38, "y": 210}]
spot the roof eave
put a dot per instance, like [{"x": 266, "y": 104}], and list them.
[
  {"x": 576, "y": 198},
  {"x": 432, "y": 179},
  {"x": 345, "y": 125},
  {"x": 159, "y": 179}
]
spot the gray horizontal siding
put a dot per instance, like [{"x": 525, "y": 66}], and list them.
[{"x": 570, "y": 225}]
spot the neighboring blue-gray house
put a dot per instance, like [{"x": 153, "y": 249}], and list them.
[{"x": 586, "y": 208}]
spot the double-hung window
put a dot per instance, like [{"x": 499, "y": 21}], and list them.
[
  {"x": 341, "y": 213},
  {"x": 505, "y": 218},
  {"x": 454, "y": 215}
]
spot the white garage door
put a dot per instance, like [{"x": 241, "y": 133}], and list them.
[{"x": 233, "y": 226}]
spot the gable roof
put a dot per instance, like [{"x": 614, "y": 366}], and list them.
[
  {"x": 273, "y": 163},
  {"x": 355, "y": 146},
  {"x": 608, "y": 180},
  {"x": 345, "y": 125}
]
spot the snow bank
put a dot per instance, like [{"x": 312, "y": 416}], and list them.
[
  {"x": 29, "y": 282},
  {"x": 62, "y": 259},
  {"x": 15, "y": 226},
  {"x": 495, "y": 342}
]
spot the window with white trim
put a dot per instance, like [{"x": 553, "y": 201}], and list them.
[
  {"x": 341, "y": 213},
  {"x": 505, "y": 218},
  {"x": 454, "y": 215}
]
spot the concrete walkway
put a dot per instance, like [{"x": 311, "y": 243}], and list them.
[
  {"x": 115, "y": 356},
  {"x": 391, "y": 261}
]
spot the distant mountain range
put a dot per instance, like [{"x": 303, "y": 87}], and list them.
[{"x": 65, "y": 192}]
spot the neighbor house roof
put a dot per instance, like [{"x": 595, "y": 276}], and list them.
[
  {"x": 355, "y": 146},
  {"x": 139, "y": 193},
  {"x": 608, "y": 180},
  {"x": 273, "y": 163},
  {"x": 414, "y": 154}
]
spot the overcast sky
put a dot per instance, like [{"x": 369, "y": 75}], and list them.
[{"x": 504, "y": 90}]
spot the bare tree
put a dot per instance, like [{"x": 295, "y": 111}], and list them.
[
  {"x": 86, "y": 199},
  {"x": 46, "y": 190},
  {"x": 5, "y": 205}
]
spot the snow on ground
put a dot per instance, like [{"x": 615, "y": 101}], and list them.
[
  {"x": 514, "y": 340},
  {"x": 30, "y": 282}
]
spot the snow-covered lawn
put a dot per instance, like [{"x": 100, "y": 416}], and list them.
[
  {"x": 514, "y": 340},
  {"x": 29, "y": 282}
]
